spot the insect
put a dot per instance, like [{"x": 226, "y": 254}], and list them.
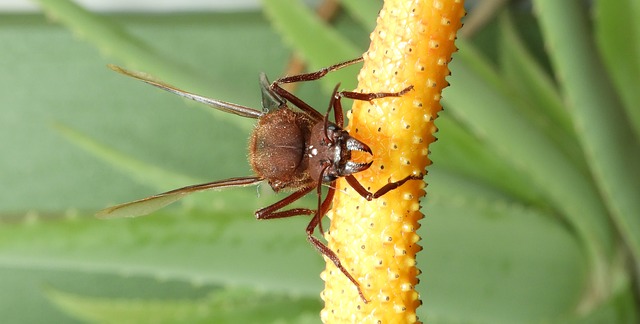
[{"x": 295, "y": 151}]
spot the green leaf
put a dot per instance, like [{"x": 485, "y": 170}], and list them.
[
  {"x": 621, "y": 308},
  {"x": 526, "y": 252},
  {"x": 470, "y": 157},
  {"x": 486, "y": 259},
  {"x": 473, "y": 99},
  {"x": 219, "y": 306},
  {"x": 319, "y": 45},
  {"x": 538, "y": 92},
  {"x": 194, "y": 246},
  {"x": 114, "y": 41},
  {"x": 612, "y": 150},
  {"x": 144, "y": 173},
  {"x": 618, "y": 38},
  {"x": 364, "y": 11}
]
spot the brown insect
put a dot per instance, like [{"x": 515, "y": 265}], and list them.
[{"x": 296, "y": 151}]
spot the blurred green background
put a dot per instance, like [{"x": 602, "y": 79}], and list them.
[{"x": 530, "y": 212}]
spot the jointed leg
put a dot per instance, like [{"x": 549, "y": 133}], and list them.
[
  {"x": 323, "y": 207},
  {"x": 271, "y": 212},
  {"x": 311, "y": 76},
  {"x": 315, "y": 221},
  {"x": 326, "y": 251},
  {"x": 369, "y": 96},
  {"x": 363, "y": 96},
  {"x": 366, "y": 194},
  {"x": 321, "y": 247},
  {"x": 275, "y": 86}
]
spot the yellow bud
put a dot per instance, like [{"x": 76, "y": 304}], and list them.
[{"x": 376, "y": 241}]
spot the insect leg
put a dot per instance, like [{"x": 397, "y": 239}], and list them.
[
  {"x": 337, "y": 107},
  {"x": 357, "y": 186},
  {"x": 271, "y": 212},
  {"x": 326, "y": 251},
  {"x": 275, "y": 86},
  {"x": 336, "y": 103},
  {"x": 321, "y": 247},
  {"x": 368, "y": 96},
  {"x": 311, "y": 76}
]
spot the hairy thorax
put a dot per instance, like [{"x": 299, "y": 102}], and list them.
[{"x": 277, "y": 149}]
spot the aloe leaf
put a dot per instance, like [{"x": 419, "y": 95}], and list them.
[
  {"x": 474, "y": 100},
  {"x": 469, "y": 156},
  {"x": 115, "y": 42},
  {"x": 364, "y": 11},
  {"x": 621, "y": 308},
  {"x": 527, "y": 254},
  {"x": 196, "y": 246},
  {"x": 219, "y": 306},
  {"x": 537, "y": 95},
  {"x": 317, "y": 43},
  {"x": 488, "y": 258},
  {"x": 482, "y": 14},
  {"x": 612, "y": 150},
  {"x": 144, "y": 173},
  {"x": 531, "y": 81},
  {"x": 618, "y": 38}
]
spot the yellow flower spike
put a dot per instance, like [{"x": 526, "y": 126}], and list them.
[{"x": 377, "y": 241}]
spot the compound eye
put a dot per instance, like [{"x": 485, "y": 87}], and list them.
[{"x": 329, "y": 177}]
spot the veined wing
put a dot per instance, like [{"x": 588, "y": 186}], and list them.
[
  {"x": 217, "y": 104},
  {"x": 150, "y": 204}
]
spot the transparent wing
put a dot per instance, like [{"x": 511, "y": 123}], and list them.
[
  {"x": 150, "y": 204},
  {"x": 270, "y": 100},
  {"x": 217, "y": 104}
]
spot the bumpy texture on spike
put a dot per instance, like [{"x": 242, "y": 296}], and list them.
[{"x": 377, "y": 241}]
